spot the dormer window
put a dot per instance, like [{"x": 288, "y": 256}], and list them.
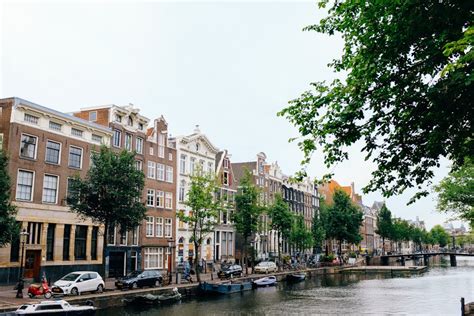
[
  {"x": 118, "y": 118},
  {"x": 130, "y": 121},
  {"x": 140, "y": 126}
]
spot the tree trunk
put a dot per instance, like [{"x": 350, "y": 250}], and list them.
[
  {"x": 197, "y": 260},
  {"x": 279, "y": 252},
  {"x": 383, "y": 246},
  {"x": 245, "y": 259},
  {"x": 104, "y": 251}
]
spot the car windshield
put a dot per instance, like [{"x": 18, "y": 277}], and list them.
[
  {"x": 70, "y": 277},
  {"x": 133, "y": 274}
]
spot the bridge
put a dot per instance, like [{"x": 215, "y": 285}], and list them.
[{"x": 426, "y": 256}]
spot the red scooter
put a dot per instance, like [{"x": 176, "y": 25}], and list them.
[{"x": 40, "y": 289}]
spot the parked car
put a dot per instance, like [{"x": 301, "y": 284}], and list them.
[
  {"x": 266, "y": 267},
  {"x": 138, "y": 279},
  {"x": 230, "y": 271},
  {"x": 76, "y": 283}
]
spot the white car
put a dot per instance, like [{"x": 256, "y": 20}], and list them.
[
  {"x": 79, "y": 282},
  {"x": 266, "y": 266}
]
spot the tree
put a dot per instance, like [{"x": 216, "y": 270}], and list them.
[
  {"x": 111, "y": 192},
  {"x": 205, "y": 209},
  {"x": 384, "y": 225},
  {"x": 401, "y": 231},
  {"x": 9, "y": 229},
  {"x": 344, "y": 220},
  {"x": 318, "y": 228},
  {"x": 456, "y": 192},
  {"x": 247, "y": 211},
  {"x": 281, "y": 220},
  {"x": 394, "y": 98},
  {"x": 439, "y": 235},
  {"x": 300, "y": 237}
]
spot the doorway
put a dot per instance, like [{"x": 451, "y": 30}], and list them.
[
  {"x": 32, "y": 264},
  {"x": 117, "y": 264}
]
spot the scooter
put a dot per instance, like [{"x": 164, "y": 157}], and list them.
[{"x": 40, "y": 289}]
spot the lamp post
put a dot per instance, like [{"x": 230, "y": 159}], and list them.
[
  {"x": 170, "y": 256},
  {"x": 23, "y": 235}
]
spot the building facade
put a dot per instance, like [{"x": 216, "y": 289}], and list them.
[{"x": 46, "y": 149}]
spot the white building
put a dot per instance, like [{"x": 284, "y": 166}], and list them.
[{"x": 192, "y": 151}]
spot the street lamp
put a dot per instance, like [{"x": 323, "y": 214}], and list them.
[
  {"x": 23, "y": 236},
  {"x": 170, "y": 256}
]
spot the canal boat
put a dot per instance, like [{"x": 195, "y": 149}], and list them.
[
  {"x": 55, "y": 308},
  {"x": 266, "y": 281},
  {"x": 225, "y": 288},
  {"x": 150, "y": 299},
  {"x": 296, "y": 277}
]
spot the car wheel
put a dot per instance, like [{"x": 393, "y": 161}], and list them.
[
  {"x": 134, "y": 285},
  {"x": 74, "y": 291},
  {"x": 100, "y": 288},
  {"x": 47, "y": 295}
]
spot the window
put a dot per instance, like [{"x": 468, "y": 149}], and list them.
[
  {"x": 170, "y": 156},
  {"x": 159, "y": 227},
  {"x": 150, "y": 222},
  {"x": 66, "y": 241},
  {"x": 169, "y": 174},
  {"x": 75, "y": 157},
  {"x": 154, "y": 258},
  {"x": 140, "y": 126},
  {"x": 151, "y": 170},
  {"x": 28, "y": 146},
  {"x": 55, "y": 126},
  {"x": 117, "y": 138},
  {"x": 123, "y": 238},
  {"x": 150, "y": 197},
  {"x": 181, "y": 191},
  {"x": 192, "y": 164},
  {"x": 50, "y": 242},
  {"x": 226, "y": 163},
  {"x": 15, "y": 247},
  {"x": 168, "y": 224},
  {"x": 80, "y": 242},
  {"x": 182, "y": 164},
  {"x": 151, "y": 151},
  {"x": 128, "y": 141},
  {"x": 210, "y": 167},
  {"x": 76, "y": 132},
  {"x": 130, "y": 121},
  {"x": 160, "y": 196},
  {"x": 135, "y": 236},
  {"x": 24, "y": 187},
  {"x": 50, "y": 188},
  {"x": 197, "y": 146},
  {"x": 161, "y": 145},
  {"x": 97, "y": 138},
  {"x": 31, "y": 118},
  {"x": 111, "y": 236},
  {"x": 169, "y": 200},
  {"x": 94, "y": 239},
  {"x": 160, "y": 172},
  {"x": 139, "y": 145},
  {"x": 139, "y": 165},
  {"x": 118, "y": 118},
  {"x": 35, "y": 232},
  {"x": 52, "y": 152},
  {"x": 225, "y": 179},
  {"x": 93, "y": 116}
]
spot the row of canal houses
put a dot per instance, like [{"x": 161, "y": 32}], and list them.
[{"x": 47, "y": 148}]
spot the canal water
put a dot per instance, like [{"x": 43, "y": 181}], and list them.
[{"x": 436, "y": 292}]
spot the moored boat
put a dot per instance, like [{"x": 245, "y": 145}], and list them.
[
  {"x": 150, "y": 299},
  {"x": 226, "y": 288},
  {"x": 266, "y": 281},
  {"x": 55, "y": 308},
  {"x": 296, "y": 277}
]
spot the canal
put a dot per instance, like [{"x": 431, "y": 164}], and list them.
[{"x": 436, "y": 292}]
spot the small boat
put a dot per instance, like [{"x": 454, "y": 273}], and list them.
[
  {"x": 58, "y": 307},
  {"x": 266, "y": 281},
  {"x": 296, "y": 277},
  {"x": 150, "y": 299},
  {"x": 226, "y": 288}
]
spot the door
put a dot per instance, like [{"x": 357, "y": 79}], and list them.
[
  {"x": 116, "y": 263},
  {"x": 32, "y": 264}
]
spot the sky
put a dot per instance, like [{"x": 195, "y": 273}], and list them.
[{"x": 228, "y": 67}]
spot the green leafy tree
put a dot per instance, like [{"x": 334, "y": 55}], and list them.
[
  {"x": 247, "y": 212},
  {"x": 318, "y": 228},
  {"x": 401, "y": 231},
  {"x": 439, "y": 235},
  {"x": 344, "y": 220},
  {"x": 456, "y": 192},
  {"x": 384, "y": 225},
  {"x": 416, "y": 235},
  {"x": 281, "y": 220},
  {"x": 300, "y": 237},
  {"x": 205, "y": 207},
  {"x": 394, "y": 98},
  {"x": 111, "y": 192},
  {"x": 9, "y": 229}
]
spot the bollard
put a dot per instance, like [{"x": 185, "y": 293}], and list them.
[
  {"x": 452, "y": 259},
  {"x": 463, "y": 310}
]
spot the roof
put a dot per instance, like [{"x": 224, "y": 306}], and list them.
[{"x": 239, "y": 168}]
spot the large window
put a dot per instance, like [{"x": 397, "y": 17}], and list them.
[
  {"x": 50, "y": 188},
  {"x": 24, "y": 187},
  {"x": 28, "y": 146},
  {"x": 139, "y": 145},
  {"x": 150, "y": 197},
  {"x": 94, "y": 240},
  {"x": 182, "y": 164},
  {"x": 75, "y": 157},
  {"x": 154, "y": 258},
  {"x": 160, "y": 172},
  {"x": 117, "y": 138},
  {"x": 151, "y": 170},
  {"x": 31, "y": 118},
  {"x": 169, "y": 174},
  {"x": 66, "y": 241},
  {"x": 192, "y": 164},
  {"x": 50, "y": 242},
  {"x": 181, "y": 191},
  {"x": 135, "y": 236},
  {"x": 160, "y": 199},
  {"x": 111, "y": 236},
  {"x": 169, "y": 200},
  {"x": 161, "y": 145},
  {"x": 150, "y": 222},
  {"x": 80, "y": 242},
  {"x": 53, "y": 150},
  {"x": 159, "y": 227},
  {"x": 55, "y": 126},
  {"x": 128, "y": 141},
  {"x": 168, "y": 224},
  {"x": 139, "y": 165}
]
